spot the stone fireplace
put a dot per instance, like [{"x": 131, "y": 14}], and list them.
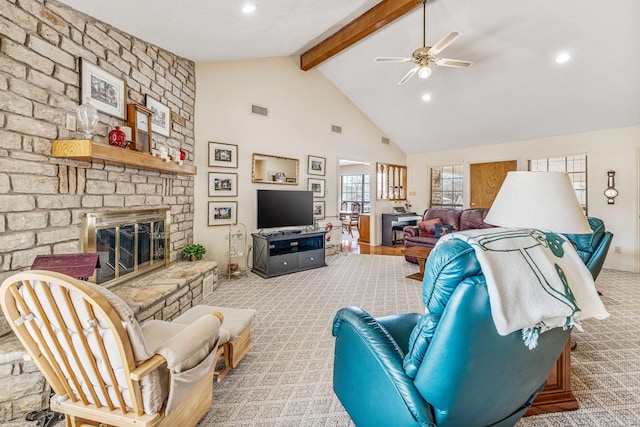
[
  {"x": 129, "y": 242},
  {"x": 44, "y": 199}
]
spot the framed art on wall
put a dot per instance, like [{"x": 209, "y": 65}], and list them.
[
  {"x": 104, "y": 91},
  {"x": 223, "y": 213},
  {"x": 161, "y": 117},
  {"x": 317, "y": 186},
  {"x": 318, "y": 209},
  {"x": 223, "y": 184},
  {"x": 223, "y": 155},
  {"x": 316, "y": 165}
]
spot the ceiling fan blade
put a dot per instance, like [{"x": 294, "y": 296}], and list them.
[
  {"x": 458, "y": 63},
  {"x": 392, "y": 59},
  {"x": 409, "y": 75},
  {"x": 444, "y": 42}
]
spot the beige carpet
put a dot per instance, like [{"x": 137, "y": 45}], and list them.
[{"x": 286, "y": 379}]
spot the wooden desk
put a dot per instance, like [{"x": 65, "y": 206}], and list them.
[{"x": 421, "y": 254}]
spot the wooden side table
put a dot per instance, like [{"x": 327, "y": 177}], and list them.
[
  {"x": 557, "y": 394},
  {"x": 421, "y": 254}
]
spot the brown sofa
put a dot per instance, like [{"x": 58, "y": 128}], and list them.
[{"x": 457, "y": 219}]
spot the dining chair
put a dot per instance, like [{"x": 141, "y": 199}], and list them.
[{"x": 353, "y": 218}]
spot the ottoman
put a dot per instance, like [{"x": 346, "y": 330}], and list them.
[{"x": 235, "y": 332}]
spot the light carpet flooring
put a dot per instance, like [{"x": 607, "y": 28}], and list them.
[{"x": 286, "y": 378}]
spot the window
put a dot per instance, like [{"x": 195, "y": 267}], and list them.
[
  {"x": 356, "y": 188},
  {"x": 446, "y": 186},
  {"x": 575, "y": 166}
]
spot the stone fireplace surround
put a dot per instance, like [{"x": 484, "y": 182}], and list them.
[
  {"x": 43, "y": 199},
  {"x": 163, "y": 294}
]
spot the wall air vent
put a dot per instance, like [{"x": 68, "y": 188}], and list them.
[
  {"x": 385, "y": 140},
  {"x": 263, "y": 111},
  {"x": 336, "y": 129}
]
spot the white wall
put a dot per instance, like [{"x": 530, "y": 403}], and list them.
[
  {"x": 302, "y": 107},
  {"x": 614, "y": 149}
]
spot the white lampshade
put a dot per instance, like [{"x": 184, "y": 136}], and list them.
[{"x": 540, "y": 200}]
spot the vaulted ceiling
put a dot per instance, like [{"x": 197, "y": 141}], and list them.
[{"x": 515, "y": 90}]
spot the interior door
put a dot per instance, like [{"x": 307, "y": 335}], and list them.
[{"x": 486, "y": 179}]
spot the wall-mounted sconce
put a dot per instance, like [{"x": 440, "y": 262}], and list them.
[{"x": 611, "y": 193}]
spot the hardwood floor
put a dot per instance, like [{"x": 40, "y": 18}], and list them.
[{"x": 352, "y": 246}]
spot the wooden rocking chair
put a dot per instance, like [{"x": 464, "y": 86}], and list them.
[{"x": 103, "y": 367}]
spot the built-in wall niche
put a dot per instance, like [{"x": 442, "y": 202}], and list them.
[
  {"x": 275, "y": 169},
  {"x": 391, "y": 181}
]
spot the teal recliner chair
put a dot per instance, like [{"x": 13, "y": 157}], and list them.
[
  {"x": 593, "y": 247},
  {"x": 454, "y": 369}
]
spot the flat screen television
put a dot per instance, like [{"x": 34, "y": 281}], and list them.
[{"x": 284, "y": 208}]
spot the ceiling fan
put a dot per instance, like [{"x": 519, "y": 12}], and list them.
[{"x": 426, "y": 55}]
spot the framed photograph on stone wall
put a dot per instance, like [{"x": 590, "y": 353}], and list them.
[
  {"x": 104, "y": 91},
  {"x": 161, "y": 117},
  {"x": 223, "y": 213},
  {"x": 223, "y": 184}
]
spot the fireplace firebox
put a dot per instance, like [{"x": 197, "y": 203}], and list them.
[{"x": 128, "y": 243}]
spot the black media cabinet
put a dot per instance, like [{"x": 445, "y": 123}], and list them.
[{"x": 277, "y": 254}]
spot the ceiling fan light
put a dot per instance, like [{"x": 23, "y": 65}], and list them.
[
  {"x": 424, "y": 72},
  {"x": 249, "y": 8},
  {"x": 563, "y": 57}
]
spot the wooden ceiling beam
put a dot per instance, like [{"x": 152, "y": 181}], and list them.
[{"x": 369, "y": 22}]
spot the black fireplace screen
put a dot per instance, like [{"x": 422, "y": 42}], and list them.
[{"x": 128, "y": 243}]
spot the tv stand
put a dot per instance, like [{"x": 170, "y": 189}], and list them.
[
  {"x": 285, "y": 233},
  {"x": 278, "y": 254}
]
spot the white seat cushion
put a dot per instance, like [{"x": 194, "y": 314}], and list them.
[{"x": 235, "y": 319}]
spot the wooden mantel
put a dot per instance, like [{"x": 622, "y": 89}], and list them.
[{"x": 87, "y": 150}]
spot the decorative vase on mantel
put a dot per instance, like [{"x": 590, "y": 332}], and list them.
[
  {"x": 117, "y": 137},
  {"x": 88, "y": 118}
]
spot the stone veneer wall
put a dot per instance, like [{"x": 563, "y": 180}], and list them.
[{"x": 43, "y": 199}]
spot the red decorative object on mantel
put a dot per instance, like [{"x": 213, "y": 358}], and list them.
[
  {"x": 183, "y": 154},
  {"x": 117, "y": 137}
]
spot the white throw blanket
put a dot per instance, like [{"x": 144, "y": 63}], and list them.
[{"x": 535, "y": 279}]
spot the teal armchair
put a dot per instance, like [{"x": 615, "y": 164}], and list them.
[
  {"x": 593, "y": 248},
  {"x": 446, "y": 367}
]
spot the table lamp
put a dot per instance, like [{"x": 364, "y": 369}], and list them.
[{"x": 540, "y": 200}]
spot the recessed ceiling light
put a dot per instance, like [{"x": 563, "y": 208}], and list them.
[
  {"x": 426, "y": 97},
  {"x": 563, "y": 57},
  {"x": 248, "y": 8}
]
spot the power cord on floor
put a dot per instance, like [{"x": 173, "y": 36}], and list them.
[{"x": 45, "y": 417}]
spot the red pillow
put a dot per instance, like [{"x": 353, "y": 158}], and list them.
[{"x": 428, "y": 227}]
